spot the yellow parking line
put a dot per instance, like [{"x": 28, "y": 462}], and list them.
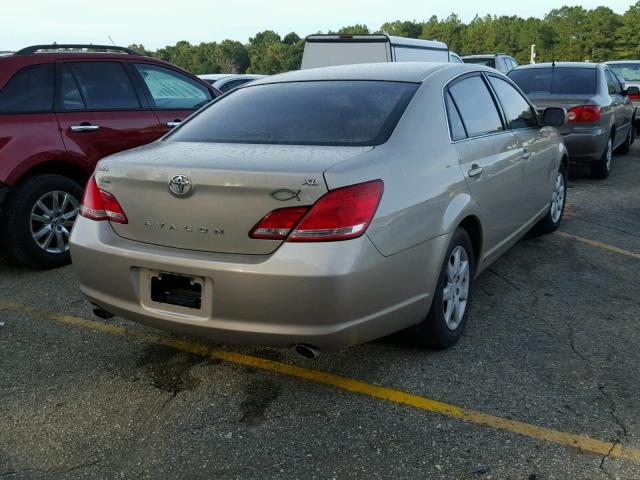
[
  {"x": 597, "y": 244},
  {"x": 581, "y": 442}
]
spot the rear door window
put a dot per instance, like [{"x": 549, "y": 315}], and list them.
[
  {"x": 30, "y": 90},
  {"x": 171, "y": 90},
  {"x": 612, "y": 83},
  {"x": 556, "y": 80},
  {"x": 518, "y": 111},
  {"x": 98, "y": 86},
  {"x": 476, "y": 106}
]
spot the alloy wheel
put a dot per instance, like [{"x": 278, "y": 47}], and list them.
[
  {"x": 456, "y": 288},
  {"x": 51, "y": 219},
  {"x": 557, "y": 198},
  {"x": 609, "y": 154}
]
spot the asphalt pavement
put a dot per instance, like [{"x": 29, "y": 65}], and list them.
[{"x": 544, "y": 384}]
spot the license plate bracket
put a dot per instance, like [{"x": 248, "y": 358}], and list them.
[{"x": 178, "y": 290}]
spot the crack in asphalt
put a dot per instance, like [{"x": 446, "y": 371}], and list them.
[{"x": 618, "y": 421}]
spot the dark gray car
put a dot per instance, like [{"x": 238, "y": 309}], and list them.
[{"x": 600, "y": 115}]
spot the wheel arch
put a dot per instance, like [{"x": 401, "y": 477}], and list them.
[{"x": 55, "y": 167}]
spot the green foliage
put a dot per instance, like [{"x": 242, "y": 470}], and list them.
[{"x": 570, "y": 33}]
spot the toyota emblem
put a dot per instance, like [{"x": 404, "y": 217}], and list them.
[{"x": 180, "y": 185}]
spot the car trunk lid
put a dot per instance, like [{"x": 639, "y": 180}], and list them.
[
  {"x": 233, "y": 187},
  {"x": 561, "y": 101}
]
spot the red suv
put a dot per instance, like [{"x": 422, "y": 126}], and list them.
[{"x": 64, "y": 107}]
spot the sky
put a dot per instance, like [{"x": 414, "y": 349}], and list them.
[{"x": 157, "y": 23}]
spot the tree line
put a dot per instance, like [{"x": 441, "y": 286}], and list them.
[{"x": 563, "y": 34}]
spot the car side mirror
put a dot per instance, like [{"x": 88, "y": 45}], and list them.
[
  {"x": 632, "y": 91},
  {"x": 554, "y": 117}
]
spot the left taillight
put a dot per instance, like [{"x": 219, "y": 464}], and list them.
[{"x": 100, "y": 205}]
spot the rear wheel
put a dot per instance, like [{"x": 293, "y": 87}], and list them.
[
  {"x": 40, "y": 216},
  {"x": 450, "y": 307},
  {"x": 602, "y": 168}
]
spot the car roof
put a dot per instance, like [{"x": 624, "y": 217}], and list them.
[
  {"x": 558, "y": 65},
  {"x": 616, "y": 62},
  {"x": 413, "y": 72},
  {"x": 220, "y": 76},
  {"x": 483, "y": 55}
]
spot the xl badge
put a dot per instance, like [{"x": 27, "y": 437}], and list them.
[{"x": 180, "y": 185}]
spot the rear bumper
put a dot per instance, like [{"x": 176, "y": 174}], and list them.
[
  {"x": 330, "y": 295},
  {"x": 586, "y": 144}
]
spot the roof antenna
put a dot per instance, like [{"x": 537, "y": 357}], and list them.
[{"x": 111, "y": 40}]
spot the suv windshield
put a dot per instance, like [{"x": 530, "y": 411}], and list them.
[
  {"x": 628, "y": 72},
  {"x": 555, "y": 80},
  {"x": 346, "y": 113},
  {"x": 486, "y": 61}
]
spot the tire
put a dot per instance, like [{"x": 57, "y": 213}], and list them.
[
  {"x": 38, "y": 233},
  {"x": 551, "y": 221},
  {"x": 626, "y": 145},
  {"x": 436, "y": 331},
  {"x": 602, "y": 168}
]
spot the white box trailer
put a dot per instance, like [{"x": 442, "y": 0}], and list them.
[{"x": 327, "y": 50}]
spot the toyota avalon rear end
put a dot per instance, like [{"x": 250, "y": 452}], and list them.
[{"x": 227, "y": 228}]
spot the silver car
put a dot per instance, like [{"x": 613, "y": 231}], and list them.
[
  {"x": 323, "y": 208},
  {"x": 601, "y": 116},
  {"x": 628, "y": 71},
  {"x": 225, "y": 82}
]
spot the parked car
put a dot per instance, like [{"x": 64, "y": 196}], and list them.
[
  {"x": 500, "y": 61},
  {"x": 327, "y": 50},
  {"x": 60, "y": 112},
  {"x": 224, "y": 82},
  {"x": 600, "y": 116},
  {"x": 317, "y": 208},
  {"x": 628, "y": 71},
  {"x": 455, "y": 58}
]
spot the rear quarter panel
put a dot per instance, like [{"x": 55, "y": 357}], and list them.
[
  {"x": 25, "y": 141},
  {"x": 425, "y": 195}
]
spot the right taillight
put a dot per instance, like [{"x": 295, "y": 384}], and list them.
[
  {"x": 634, "y": 97},
  {"x": 340, "y": 214},
  {"x": 584, "y": 114},
  {"x": 100, "y": 205}
]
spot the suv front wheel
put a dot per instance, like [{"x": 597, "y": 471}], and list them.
[{"x": 41, "y": 212}]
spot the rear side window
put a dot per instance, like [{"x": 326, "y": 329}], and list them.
[
  {"x": 486, "y": 61},
  {"x": 518, "y": 111},
  {"x": 348, "y": 113},
  {"x": 99, "y": 85},
  {"x": 455, "y": 122},
  {"x": 556, "y": 80},
  {"x": 230, "y": 85},
  {"x": 30, "y": 90},
  {"x": 172, "y": 90},
  {"x": 476, "y": 106},
  {"x": 612, "y": 84}
]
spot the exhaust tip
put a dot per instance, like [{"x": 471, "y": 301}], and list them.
[
  {"x": 102, "y": 313},
  {"x": 307, "y": 351}
]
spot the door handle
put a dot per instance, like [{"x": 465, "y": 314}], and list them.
[
  {"x": 84, "y": 128},
  {"x": 173, "y": 124},
  {"x": 476, "y": 170}
]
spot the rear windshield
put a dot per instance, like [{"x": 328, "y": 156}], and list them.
[
  {"x": 628, "y": 72},
  {"x": 487, "y": 62},
  {"x": 555, "y": 80},
  {"x": 346, "y": 113}
]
